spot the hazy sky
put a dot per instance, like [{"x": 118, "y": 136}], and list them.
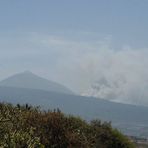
[{"x": 79, "y": 42}]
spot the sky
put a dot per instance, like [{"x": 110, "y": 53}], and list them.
[{"x": 96, "y": 47}]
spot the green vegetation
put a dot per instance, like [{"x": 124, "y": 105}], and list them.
[{"x": 26, "y": 126}]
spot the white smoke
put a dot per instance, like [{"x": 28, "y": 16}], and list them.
[
  {"x": 93, "y": 69},
  {"x": 118, "y": 75}
]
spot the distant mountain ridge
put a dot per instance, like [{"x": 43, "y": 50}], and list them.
[{"x": 29, "y": 80}]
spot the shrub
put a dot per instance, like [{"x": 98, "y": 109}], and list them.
[{"x": 26, "y": 126}]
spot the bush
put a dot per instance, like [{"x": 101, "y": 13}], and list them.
[{"x": 26, "y": 126}]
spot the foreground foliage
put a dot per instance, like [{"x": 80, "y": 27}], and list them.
[{"x": 25, "y": 126}]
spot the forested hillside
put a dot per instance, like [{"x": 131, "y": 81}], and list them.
[{"x": 26, "y": 126}]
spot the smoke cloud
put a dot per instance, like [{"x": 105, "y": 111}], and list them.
[
  {"x": 94, "y": 68},
  {"x": 120, "y": 76},
  {"x": 117, "y": 75}
]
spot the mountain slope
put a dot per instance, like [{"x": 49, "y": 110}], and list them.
[
  {"x": 28, "y": 88},
  {"x": 30, "y": 80},
  {"x": 130, "y": 119}
]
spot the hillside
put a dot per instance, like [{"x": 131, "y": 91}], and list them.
[
  {"x": 25, "y": 126},
  {"x": 132, "y": 120}
]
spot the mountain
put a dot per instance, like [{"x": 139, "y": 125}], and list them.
[
  {"x": 29, "y": 80},
  {"x": 130, "y": 119},
  {"x": 29, "y": 88}
]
